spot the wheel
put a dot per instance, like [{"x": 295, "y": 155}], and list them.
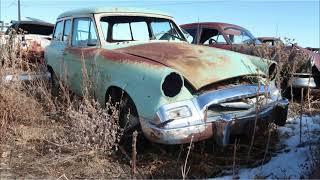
[
  {"x": 128, "y": 118},
  {"x": 128, "y": 115}
]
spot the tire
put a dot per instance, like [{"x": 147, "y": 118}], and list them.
[
  {"x": 128, "y": 115},
  {"x": 316, "y": 76},
  {"x": 54, "y": 83}
]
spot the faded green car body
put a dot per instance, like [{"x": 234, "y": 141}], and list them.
[{"x": 139, "y": 68}]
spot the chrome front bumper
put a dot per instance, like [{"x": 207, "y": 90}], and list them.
[
  {"x": 204, "y": 124},
  {"x": 303, "y": 80}
]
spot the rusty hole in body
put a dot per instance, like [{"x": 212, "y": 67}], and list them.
[{"x": 172, "y": 85}]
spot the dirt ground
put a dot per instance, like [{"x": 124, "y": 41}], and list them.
[{"x": 29, "y": 155}]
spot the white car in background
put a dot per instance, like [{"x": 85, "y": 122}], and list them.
[{"x": 32, "y": 37}]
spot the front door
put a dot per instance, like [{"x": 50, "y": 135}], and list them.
[{"x": 80, "y": 55}]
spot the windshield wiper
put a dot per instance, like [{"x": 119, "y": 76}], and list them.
[{"x": 175, "y": 36}]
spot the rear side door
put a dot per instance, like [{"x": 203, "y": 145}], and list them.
[
  {"x": 80, "y": 55},
  {"x": 54, "y": 52}
]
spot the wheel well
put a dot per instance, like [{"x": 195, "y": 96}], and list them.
[{"x": 117, "y": 94}]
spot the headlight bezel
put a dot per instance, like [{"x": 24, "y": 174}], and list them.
[{"x": 180, "y": 112}]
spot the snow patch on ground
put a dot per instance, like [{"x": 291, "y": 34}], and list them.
[{"x": 296, "y": 160}]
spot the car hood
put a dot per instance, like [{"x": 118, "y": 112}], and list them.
[{"x": 200, "y": 65}]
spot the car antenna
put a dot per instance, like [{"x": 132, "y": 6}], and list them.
[{"x": 198, "y": 33}]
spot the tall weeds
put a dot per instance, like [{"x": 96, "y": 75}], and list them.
[
  {"x": 290, "y": 59},
  {"x": 71, "y": 125}
]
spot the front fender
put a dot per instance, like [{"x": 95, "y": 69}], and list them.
[{"x": 141, "y": 81}]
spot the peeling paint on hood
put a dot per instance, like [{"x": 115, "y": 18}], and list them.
[{"x": 200, "y": 65}]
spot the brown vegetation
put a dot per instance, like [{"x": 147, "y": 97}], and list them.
[
  {"x": 47, "y": 136},
  {"x": 290, "y": 59}
]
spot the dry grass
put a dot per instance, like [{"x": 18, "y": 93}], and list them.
[{"x": 47, "y": 136}]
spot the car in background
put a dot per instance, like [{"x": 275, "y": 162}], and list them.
[
  {"x": 236, "y": 38},
  {"x": 31, "y": 38},
  {"x": 175, "y": 91},
  {"x": 315, "y": 50},
  {"x": 219, "y": 35},
  {"x": 308, "y": 77},
  {"x": 272, "y": 41}
]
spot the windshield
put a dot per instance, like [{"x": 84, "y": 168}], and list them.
[
  {"x": 139, "y": 28},
  {"x": 240, "y": 36}
]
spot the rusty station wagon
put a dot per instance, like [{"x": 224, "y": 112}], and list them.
[{"x": 175, "y": 91}]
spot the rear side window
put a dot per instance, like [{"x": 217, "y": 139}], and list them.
[
  {"x": 84, "y": 33},
  {"x": 67, "y": 30},
  {"x": 58, "y": 31}
]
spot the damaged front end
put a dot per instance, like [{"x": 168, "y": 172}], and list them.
[{"x": 217, "y": 113}]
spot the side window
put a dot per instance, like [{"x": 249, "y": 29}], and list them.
[
  {"x": 191, "y": 36},
  {"x": 84, "y": 33},
  {"x": 58, "y": 31},
  {"x": 212, "y": 36},
  {"x": 220, "y": 39},
  {"x": 67, "y": 30}
]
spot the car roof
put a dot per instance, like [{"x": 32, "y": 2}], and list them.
[
  {"x": 212, "y": 25},
  {"x": 97, "y": 10},
  {"x": 14, "y": 23}
]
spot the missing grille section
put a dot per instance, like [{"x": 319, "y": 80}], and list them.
[
  {"x": 244, "y": 80},
  {"x": 234, "y": 106}
]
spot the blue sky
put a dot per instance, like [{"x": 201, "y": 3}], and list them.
[{"x": 297, "y": 20}]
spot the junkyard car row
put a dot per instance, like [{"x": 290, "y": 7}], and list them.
[{"x": 174, "y": 90}]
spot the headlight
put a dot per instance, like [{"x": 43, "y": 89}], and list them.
[{"x": 179, "y": 112}]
